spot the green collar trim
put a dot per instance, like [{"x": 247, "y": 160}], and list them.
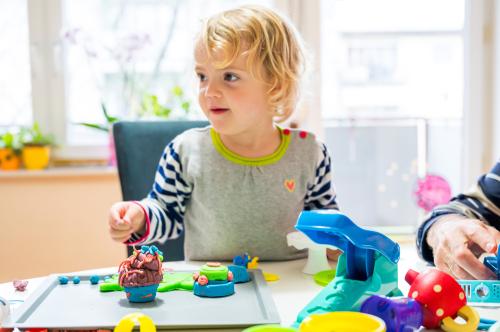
[{"x": 261, "y": 161}]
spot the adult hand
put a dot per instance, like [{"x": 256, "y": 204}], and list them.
[
  {"x": 458, "y": 241},
  {"x": 125, "y": 218}
]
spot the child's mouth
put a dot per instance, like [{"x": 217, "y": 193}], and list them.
[{"x": 219, "y": 110}]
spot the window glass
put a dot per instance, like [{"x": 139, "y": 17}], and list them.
[
  {"x": 120, "y": 53},
  {"x": 392, "y": 101},
  {"x": 15, "y": 77},
  {"x": 392, "y": 58}
]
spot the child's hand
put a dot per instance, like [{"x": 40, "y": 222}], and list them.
[
  {"x": 333, "y": 255},
  {"x": 125, "y": 218}
]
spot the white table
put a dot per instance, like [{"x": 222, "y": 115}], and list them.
[{"x": 291, "y": 293}]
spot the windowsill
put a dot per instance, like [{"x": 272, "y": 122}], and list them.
[{"x": 57, "y": 172}]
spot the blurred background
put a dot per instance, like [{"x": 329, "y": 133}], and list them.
[{"x": 398, "y": 89}]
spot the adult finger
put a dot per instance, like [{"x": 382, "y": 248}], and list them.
[
  {"x": 466, "y": 261},
  {"x": 480, "y": 234},
  {"x": 458, "y": 272}
]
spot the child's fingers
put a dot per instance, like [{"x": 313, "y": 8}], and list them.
[
  {"x": 118, "y": 216},
  {"x": 121, "y": 226},
  {"x": 120, "y": 235},
  {"x": 118, "y": 223}
]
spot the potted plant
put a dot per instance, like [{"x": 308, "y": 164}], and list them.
[
  {"x": 36, "y": 147},
  {"x": 10, "y": 151},
  {"x": 106, "y": 128}
]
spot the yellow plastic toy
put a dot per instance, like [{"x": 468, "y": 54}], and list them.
[
  {"x": 254, "y": 263},
  {"x": 345, "y": 321},
  {"x": 468, "y": 314},
  {"x": 128, "y": 322}
]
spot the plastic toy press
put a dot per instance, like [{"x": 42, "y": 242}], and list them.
[
  {"x": 484, "y": 291},
  {"x": 316, "y": 260},
  {"x": 368, "y": 265},
  {"x": 493, "y": 263}
]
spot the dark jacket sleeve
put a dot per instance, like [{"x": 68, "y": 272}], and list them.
[{"x": 482, "y": 202}]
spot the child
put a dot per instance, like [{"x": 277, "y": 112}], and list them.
[{"x": 238, "y": 185}]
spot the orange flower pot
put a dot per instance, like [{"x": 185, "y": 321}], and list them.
[
  {"x": 36, "y": 156},
  {"x": 9, "y": 160}
]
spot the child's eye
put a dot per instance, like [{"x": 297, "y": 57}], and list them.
[
  {"x": 230, "y": 77},
  {"x": 201, "y": 77}
]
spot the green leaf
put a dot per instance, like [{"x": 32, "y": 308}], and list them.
[
  {"x": 94, "y": 126},
  {"x": 177, "y": 91},
  {"x": 185, "y": 106},
  {"x": 109, "y": 119}
]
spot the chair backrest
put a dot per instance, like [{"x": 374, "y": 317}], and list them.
[{"x": 139, "y": 146}]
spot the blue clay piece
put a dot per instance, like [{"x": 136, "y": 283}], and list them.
[
  {"x": 63, "y": 280},
  {"x": 214, "y": 289},
  {"x": 141, "y": 294},
  {"x": 94, "y": 280},
  {"x": 240, "y": 273},
  {"x": 76, "y": 280}
]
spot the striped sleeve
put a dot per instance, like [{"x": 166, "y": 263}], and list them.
[
  {"x": 321, "y": 194},
  {"x": 166, "y": 203},
  {"x": 482, "y": 202}
]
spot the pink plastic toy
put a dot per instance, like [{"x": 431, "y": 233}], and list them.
[{"x": 431, "y": 191}]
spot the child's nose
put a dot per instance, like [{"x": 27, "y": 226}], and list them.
[{"x": 212, "y": 91}]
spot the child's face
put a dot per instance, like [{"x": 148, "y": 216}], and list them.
[{"x": 231, "y": 98}]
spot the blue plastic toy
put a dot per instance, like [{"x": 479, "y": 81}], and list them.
[
  {"x": 76, "y": 280},
  {"x": 493, "y": 263},
  {"x": 241, "y": 260},
  {"x": 368, "y": 265}
]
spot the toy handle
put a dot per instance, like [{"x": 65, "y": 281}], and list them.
[
  {"x": 468, "y": 314},
  {"x": 128, "y": 322}
]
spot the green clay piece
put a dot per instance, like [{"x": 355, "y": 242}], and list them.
[
  {"x": 176, "y": 281},
  {"x": 171, "y": 281},
  {"x": 323, "y": 278},
  {"x": 214, "y": 272},
  {"x": 161, "y": 258},
  {"x": 110, "y": 288},
  {"x": 269, "y": 328},
  {"x": 110, "y": 284}
]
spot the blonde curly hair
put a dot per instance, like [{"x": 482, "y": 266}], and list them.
[{"x": 275, "y": 51}]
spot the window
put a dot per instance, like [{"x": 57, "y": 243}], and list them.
[
  {"x": 392, "y": 101},
  {"x": 15, "y": 85},
  {"x": 67, "y": 57}
]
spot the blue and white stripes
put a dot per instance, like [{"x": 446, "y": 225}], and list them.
[
  {"x": 321, "y": 194},
  {"x": 166, "y": 203},
  {"x": 482, "y": 203}
]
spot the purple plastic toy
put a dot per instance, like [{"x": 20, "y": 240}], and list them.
[{"x": 400, "y": 314}]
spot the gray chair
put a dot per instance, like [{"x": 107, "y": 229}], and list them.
[{"x": 139, "y": 146}]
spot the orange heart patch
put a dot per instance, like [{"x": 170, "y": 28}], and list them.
[{"x": 290, "y": 185}]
